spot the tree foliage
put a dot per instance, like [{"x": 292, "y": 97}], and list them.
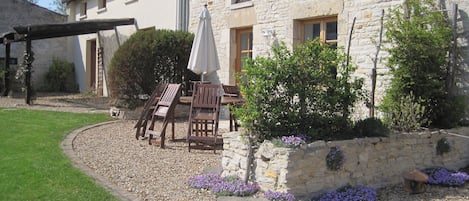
[
  {"x": 60, "y": 7},
  {"x": 304, "y": 91},
  {"x": 420, "y": 39}
]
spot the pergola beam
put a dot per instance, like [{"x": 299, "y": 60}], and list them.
[{"x": 44, "y": 31}]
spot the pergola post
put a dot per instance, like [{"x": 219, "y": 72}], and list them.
[
  {"x": 27, "y": 76},
  {"x": 6, "y": 73}
]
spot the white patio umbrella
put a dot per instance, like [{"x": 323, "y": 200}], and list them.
[{"x": 204, "y": 58}]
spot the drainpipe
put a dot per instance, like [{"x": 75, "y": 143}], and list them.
[
  {"x": 178, "y": 15},
  {"x": 182, "y": 15},
  {"x": 185, "y": 24}
]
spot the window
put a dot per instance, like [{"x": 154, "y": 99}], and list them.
[
  {"x": 237, "y": 4},
  {"x": 101, "y": 4},
  {"x": 325, "y": 29},
  {"x": 83, "y": 9},
  {"x": 244, "y": 47}
]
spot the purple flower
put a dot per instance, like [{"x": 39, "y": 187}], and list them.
[
  {"x": 335, "y": 158},
  {"x": 230, "y": 185},
  {"x": 234, "y": 186},
  {"x": 278, "y": 196},
  {"x": 205, "y": 181},
  {"x": 293, "y": 141},
  {"x": 349, "y": 193},
  {"x": 444, "y": 176}
]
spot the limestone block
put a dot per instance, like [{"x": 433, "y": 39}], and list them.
[
  {"x": 261, "y": 164},
  {"x": 266, "y": 150},
  {"x": 271, "y": 174},
  {"x": 314, "y": 186},
  {"x": 341, "y": 179},
  {"x": 363, "y": 158}
]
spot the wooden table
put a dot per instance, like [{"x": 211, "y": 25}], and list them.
[
  {"x": 225, "y": 100},
  {"x": 187, "y": 100}
]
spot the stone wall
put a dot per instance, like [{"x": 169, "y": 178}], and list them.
[{"x": 373, "y": 162}]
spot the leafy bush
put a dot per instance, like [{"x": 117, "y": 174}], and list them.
[
  {"x": 278, "y": 196},
  {"x": 445, "y": 176},
  {"x": 307, "y": 90},
  {"x": 418, "y": 67},
  {"x": 223, "y": 186},
  {"x": 147, "y": 59},
  {"x": 406, "y": 114},
  {"x": 61, "y": 77},
  {"x": 370, "y": 127},
  {"x": 450, "y": 112},
  {"x": 350, "y": 193}
]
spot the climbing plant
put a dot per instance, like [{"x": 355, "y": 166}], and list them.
[{"x": 419, "y": 36}]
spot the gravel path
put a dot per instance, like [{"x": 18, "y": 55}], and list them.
[
  {"x": 147, "y": 170},
  {"x": 151, "y": 173}
]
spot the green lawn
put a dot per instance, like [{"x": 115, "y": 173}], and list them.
[{"x": 32, "y": 163}]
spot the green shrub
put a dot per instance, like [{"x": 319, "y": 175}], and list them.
[
  {"x": 450, "y": 111},
  {"x": 305, "y": 91},
  {"x": 370, "y": 127},
  {"x": 147, "y": 59},
  {"x": 61, "y": 77},
  {"x": 405, "y": 115},
  {"x": 413, "y": 32}
]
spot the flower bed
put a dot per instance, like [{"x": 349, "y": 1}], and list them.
[
  {"x": 373, "y": 162},
  {"x": 223, "y": 186}
]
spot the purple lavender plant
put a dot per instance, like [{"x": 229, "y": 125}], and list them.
[
  {"x": 444, "y": 176},
  {"x": 278, "y": 196},
  {"x": 230, "y": 185},
  {"x": 204, "y": 181},
  {"x": 349, "y": 193},
  {"x": 293, "y": 141},
  {"x": 234, "y": 186},
  {"x": 335, "y": 158}
]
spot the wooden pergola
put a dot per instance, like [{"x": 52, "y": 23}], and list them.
[{"x": 44, "y": 31}]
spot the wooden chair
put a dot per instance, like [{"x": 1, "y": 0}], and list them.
[
  {"x": 192, "y": 86},
  {"x": 148, "y": 108},
  {"x": 232, "y": 91},
  {"x": 204, "y": 118},
  {"x": 165, "y": 109}
]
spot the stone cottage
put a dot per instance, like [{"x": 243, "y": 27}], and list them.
[{"x": 250, "y": 27}]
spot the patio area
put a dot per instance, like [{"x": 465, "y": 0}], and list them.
[{"x": 132, "y": 167}]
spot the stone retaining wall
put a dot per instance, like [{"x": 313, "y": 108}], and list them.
[{"x": 374, "y": 162}]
